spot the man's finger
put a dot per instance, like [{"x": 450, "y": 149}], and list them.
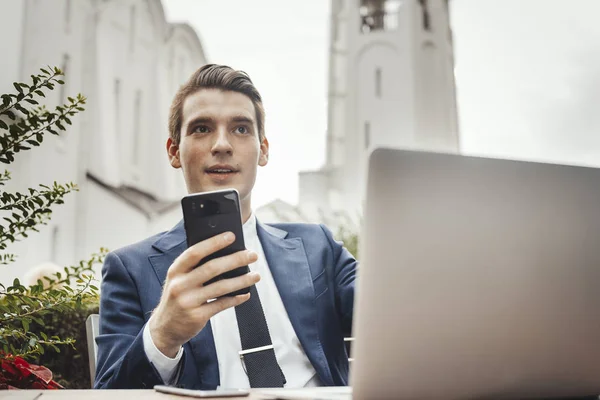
[
  {"x": 226, "y": 286},
  {"x": 219, "y": 265},
  {"x": 192, "y": 256},
  {"x": 215, "y": 307}
]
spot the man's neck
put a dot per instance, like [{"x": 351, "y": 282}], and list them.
[{"x": 246, "y": 208}]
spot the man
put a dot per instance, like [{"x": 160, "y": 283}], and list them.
[{"x": 158, "y": 324}]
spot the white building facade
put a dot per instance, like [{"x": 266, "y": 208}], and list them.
[
  {"x": 391, "y": 84},
  {"x": 128, "y": 61}
]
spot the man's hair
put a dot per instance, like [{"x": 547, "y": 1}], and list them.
[{"x": 212, "y": 76}]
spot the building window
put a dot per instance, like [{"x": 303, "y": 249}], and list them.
[
  {"x": 367, "y": 134},
  {"x": 132, "y": 29},
  {"x": 65, "y": 69},
  {"x": 137, "y": 126},
  {"x": 54, "y": 243},
  {"x": 62, "y": 99},
  {"x": 378, "y": 82},
  {"x": 117, "y": 97},
  {"x": 379, "y": 15},
  {"x": 335, "y": 32},
  {"x": 426, "y": 16},
  {"x": 68, "y": 6}
]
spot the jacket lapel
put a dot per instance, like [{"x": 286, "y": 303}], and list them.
[
  {"x": 287, "y": 261},
  {"x": 202, "y": 346}
]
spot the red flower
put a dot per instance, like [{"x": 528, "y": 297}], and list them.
[
  {"x": 22, "y": 366},
  {"x": 16, "y": 373}
]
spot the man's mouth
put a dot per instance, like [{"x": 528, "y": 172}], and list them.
[{"x": 221, "y": 172}]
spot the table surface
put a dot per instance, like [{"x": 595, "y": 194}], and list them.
[{"x": 125, "y": 394}]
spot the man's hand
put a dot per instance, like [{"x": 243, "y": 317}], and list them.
[{"x": 183, "y": 309}]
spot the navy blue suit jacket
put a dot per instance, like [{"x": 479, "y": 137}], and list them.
[{"x": 313, "y": 273}]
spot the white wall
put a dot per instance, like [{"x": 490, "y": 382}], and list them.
[
  {"x": 12, "y": 15},
  {"x": 110, "y": 222}
]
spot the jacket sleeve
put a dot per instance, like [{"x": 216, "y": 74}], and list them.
[
  {"x": 344, "y": 273},
  {"x": 122, "y": 361}
]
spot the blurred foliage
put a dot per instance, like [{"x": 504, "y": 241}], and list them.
[
  {"x": 22, "y": 307},
  {"x": 71, "y": 366},
  {"x": 350, "y": 240}
]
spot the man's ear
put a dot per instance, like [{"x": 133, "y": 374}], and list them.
[
  {"x": 263, "y": 159},
  {"x": 173, "y": 153}
]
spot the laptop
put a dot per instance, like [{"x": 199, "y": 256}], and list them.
[{"x": 479, "y": 278}]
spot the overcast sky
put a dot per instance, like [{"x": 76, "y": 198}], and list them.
[{"x": 528, "y": 76}]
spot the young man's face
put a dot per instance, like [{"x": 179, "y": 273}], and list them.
[{"x": 219, "y": 146}]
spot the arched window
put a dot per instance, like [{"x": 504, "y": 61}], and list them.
[{"x": 379, "y": 15}]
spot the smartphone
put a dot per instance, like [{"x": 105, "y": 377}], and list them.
[
  {"x": 212, "y": 213},
  {"x": 201, "y": 393}
]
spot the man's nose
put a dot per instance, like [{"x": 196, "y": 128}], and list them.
[{"x": 222, "y": 143}]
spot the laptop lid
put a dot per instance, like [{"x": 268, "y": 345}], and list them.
[{"x": 478, "y": 278}]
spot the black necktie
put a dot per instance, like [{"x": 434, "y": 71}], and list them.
[{"x": 257, "y": 352}]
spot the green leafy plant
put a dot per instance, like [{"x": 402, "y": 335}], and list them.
[
  {"x": 21, "y": 306},
  {"x": 71, "y": 366},
  {"x": 350, "y": 240},
  {"x": 24, "y": 123}
]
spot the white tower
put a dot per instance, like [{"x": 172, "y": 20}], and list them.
[{"x": 391, "y": 83}]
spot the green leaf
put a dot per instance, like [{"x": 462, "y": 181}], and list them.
[
  {"x": 22, "y": 109},
  {"x": 25, "y": 323},
  {"x": 18, "y": 87},
  {"x": 3, "y": 125},
  {"x": 11, "y": 115},
  {"x": 32, "y": 101}
]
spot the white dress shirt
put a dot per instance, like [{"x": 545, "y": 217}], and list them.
[{"x": 295, "y": 365}]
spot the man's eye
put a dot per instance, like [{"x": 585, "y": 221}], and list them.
[
  {"x": 241, "y": 129},
  {"x": 201, "y": 129}
]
